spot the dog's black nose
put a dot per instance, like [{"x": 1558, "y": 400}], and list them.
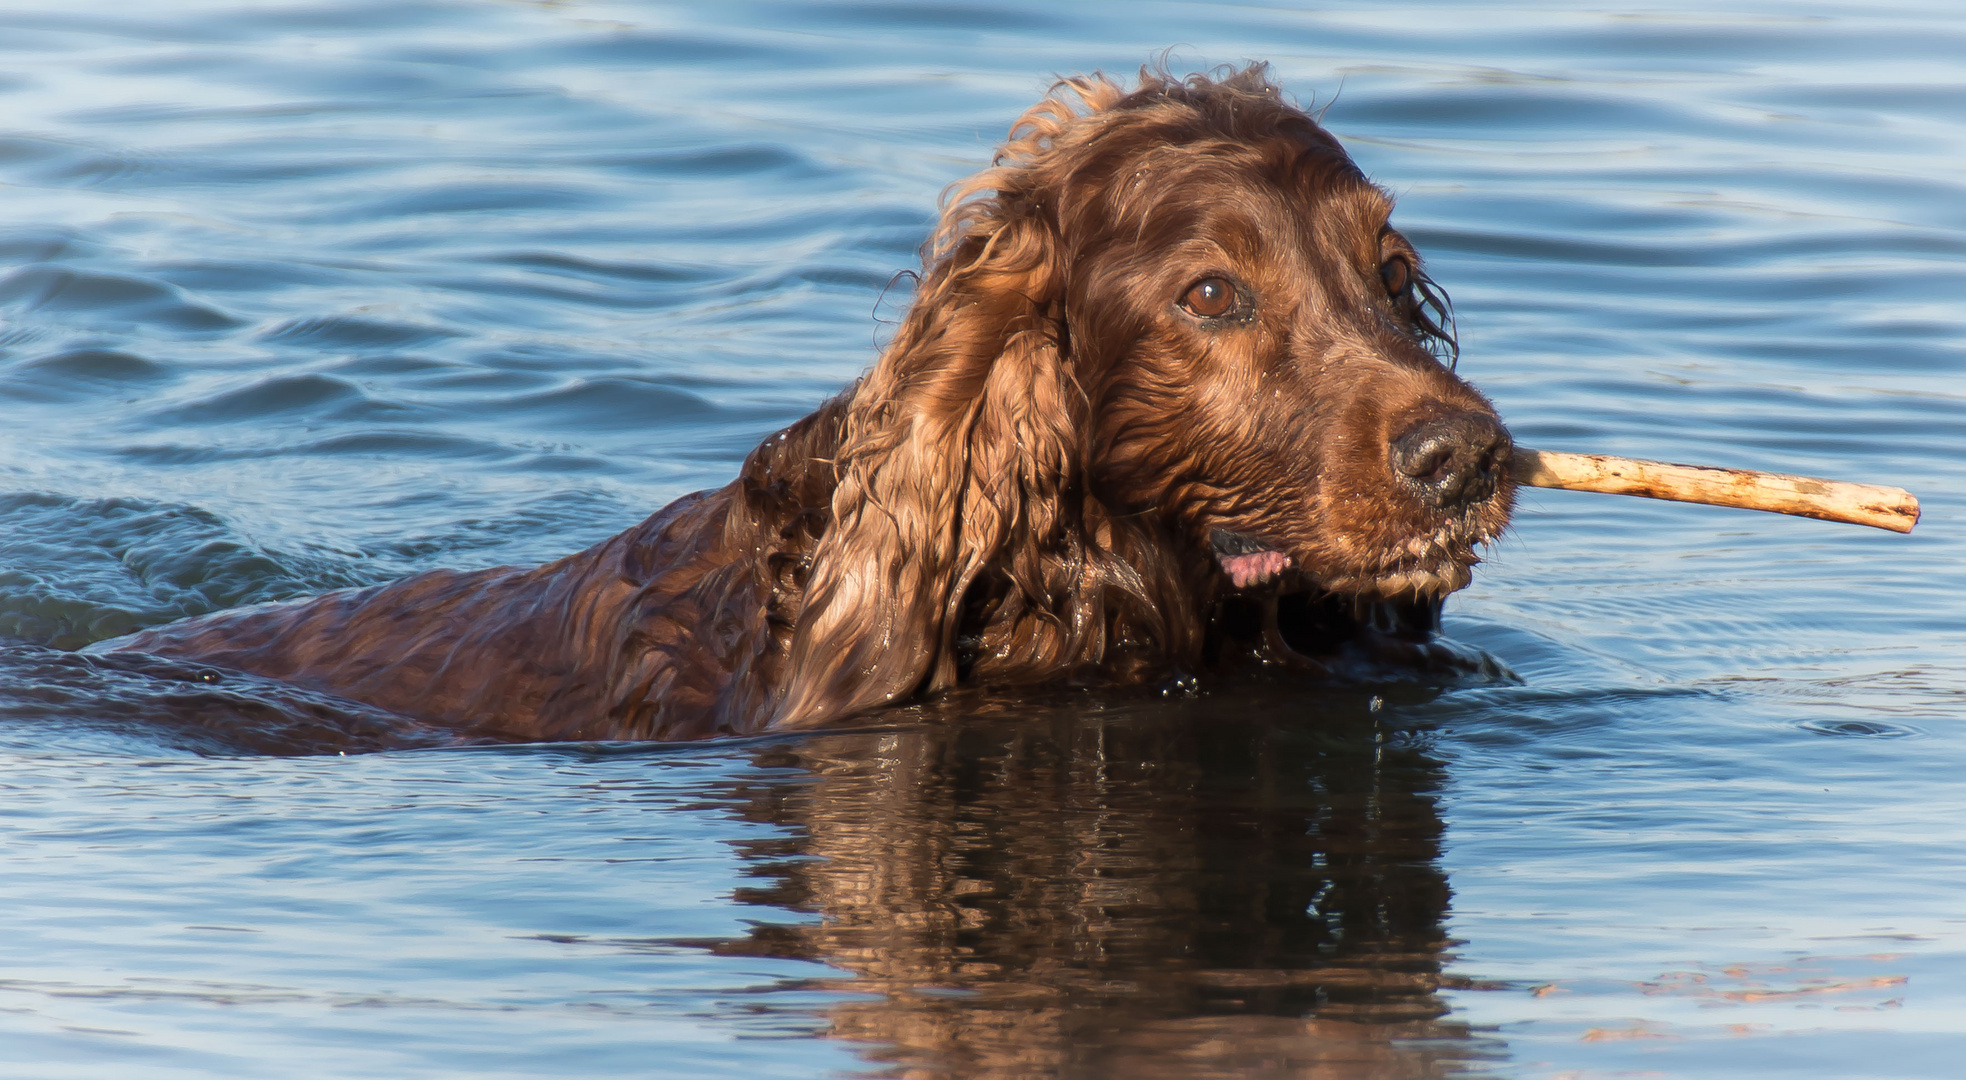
[{"x": 1453, "y": 460}]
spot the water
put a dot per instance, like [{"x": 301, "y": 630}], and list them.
[{"x": 304, "y": 296}]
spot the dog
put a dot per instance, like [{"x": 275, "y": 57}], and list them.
[{"x": 1170, "y": 389}]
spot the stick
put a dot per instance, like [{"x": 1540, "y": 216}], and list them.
[{"x": 1805, "y": 496}]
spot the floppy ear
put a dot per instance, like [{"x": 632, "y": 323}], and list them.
[
  {"x": 959, "y": 443},
  {"x": 961, "y": 451}
]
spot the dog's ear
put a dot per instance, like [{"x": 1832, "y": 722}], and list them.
[
  {"x": 963, "y": 451},
  {"x": 959, "y": 444}
]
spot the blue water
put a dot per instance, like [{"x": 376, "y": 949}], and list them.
[{"x": 301, "y": 296}]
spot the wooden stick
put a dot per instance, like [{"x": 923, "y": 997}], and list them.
[{"x": 1805, "y": 496}]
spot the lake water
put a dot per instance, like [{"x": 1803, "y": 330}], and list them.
[{"x": 301, "y": 296}]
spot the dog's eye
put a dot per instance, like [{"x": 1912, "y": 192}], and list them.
[
  {"x": 1210, "y": 297},
  {"x": 1398, "y": 277}
]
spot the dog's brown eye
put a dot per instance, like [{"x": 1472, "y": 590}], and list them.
[
  {"x": 1210, "y": 297},
  {"x": 1397, "y": 276}
]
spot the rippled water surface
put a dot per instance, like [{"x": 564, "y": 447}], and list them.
[{"x": 301, "y": 296}]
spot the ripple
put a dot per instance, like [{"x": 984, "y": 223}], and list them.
[
  {"x": 379, "y": 444},
  {"x": 477, "y": 197},
  {"x": 613, "y": 403},
  {"x": 1496, "y": 111},
  {"x": 760, "y": 159},
  {"x": 640, "y": 48},
  {"x": 595, "y": 269},
  {"x": 61, "y": 163},
  {"x": 16, "y": 149},
  {"x": 312, "y": 394},
  {"x": 352, "y": 332},
  {"x": 76, "y": 570},
  {"x": 96, "y": 296},
  {"x": 111, "y": 169},
  {"x": 1857, "y": 729},
  {"x": 251, "y": 275},
  {"x": 938, "y": 16},
  {"x": 83, "y": 373},
  {"x": 194, "y": 707},
  {"x": 42, "y": 245}
]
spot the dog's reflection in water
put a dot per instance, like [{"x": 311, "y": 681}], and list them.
[{"x": 1205, "y": 887}]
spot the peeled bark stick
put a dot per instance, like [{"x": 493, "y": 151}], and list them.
[{"x": 1805, "y": 496}]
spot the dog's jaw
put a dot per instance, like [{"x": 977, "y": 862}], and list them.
[{"x": 1424, "y": 568}]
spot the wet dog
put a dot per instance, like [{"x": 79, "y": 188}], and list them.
[{"x": 1171, "y": 388}]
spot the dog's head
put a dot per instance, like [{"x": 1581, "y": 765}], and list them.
[
  {"x": 1267, "y": 363},
  {"x": 1175, "y": 312}
]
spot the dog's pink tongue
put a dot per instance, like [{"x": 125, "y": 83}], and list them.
[{"x": 1253, "y": 568}]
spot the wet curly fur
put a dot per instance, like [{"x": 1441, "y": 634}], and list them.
[{"x": 1068, "y": 464}]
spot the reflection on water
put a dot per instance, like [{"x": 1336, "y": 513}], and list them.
[{"x": 1133, "y": 890}]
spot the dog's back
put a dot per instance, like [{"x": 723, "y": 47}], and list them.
[{"x": 669, "y": 630}]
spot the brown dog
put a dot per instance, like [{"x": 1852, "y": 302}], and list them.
[{"x": 1167, "y": 364}]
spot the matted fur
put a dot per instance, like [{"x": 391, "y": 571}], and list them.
[{"x": 1024, "y": 486}]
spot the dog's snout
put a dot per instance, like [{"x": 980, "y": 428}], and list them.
[{"x": 1454, "y": 460}]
